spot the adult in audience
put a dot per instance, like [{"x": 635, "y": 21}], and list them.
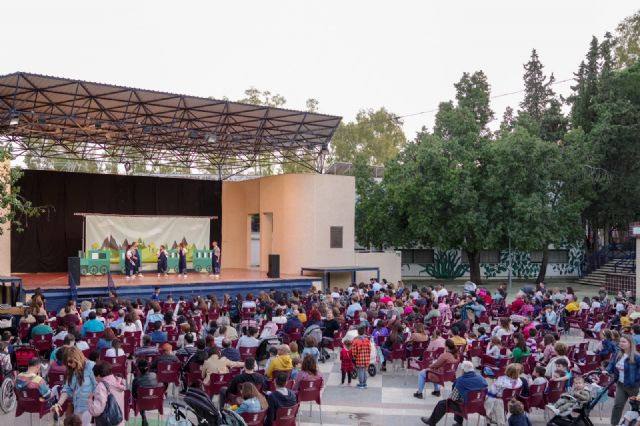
[
  {"x": 145, "y": 379},
  {"x": 470, "y": 381},
  {"x": 282, "y": 397}
]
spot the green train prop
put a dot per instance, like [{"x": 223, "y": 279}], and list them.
[
  {"x": 202, "y": 261},
  {"x": 96, "y": 262}
]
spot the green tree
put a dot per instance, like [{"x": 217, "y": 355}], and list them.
[
  {"x": 14, "y": 208},
  {"x": 262, "y": 97},
  {"x": 376, "y": 136},
  {"x": 434, "y": 187},
  {"x": 627, "y": 40}
]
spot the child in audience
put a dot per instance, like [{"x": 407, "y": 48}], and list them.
[
  {"x": 346, "y": 360},
  {"x": 518, "y": 417},
  {"x": 297, "y": 364},
  {"x": 482, "y": 334},
  {"x": 293, "y": 347},
  {"x": 569, "y": 401},
  {"x": 310, "y": 348}
]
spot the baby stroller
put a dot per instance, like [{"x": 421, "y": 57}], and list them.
[
  {"x": 580, "y": 415},
  {"x": 263, "y": 348},
  {"x": 200, "y": 405},
  {"x": 316, "y": 332}
]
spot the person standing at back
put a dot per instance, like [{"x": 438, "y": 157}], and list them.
[{"x": 361, "y": 348}]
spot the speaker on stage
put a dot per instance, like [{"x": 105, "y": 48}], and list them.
[
  {"x": 73, "y": 267},
  {"x": 274, "y": 266}
]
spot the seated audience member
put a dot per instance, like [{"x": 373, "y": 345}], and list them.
[
  {"x": 229, "y": 352},
  {"x": 31, "y": 379},
  {"x": 282, "y": 397},
  {"x": 158, "y": 336},
  {"x": 247, "y": 375},
  {"x": 145, "y": 379}
]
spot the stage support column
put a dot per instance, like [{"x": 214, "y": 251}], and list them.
[
  {"x": 637, "y": 265},
  {"x": 5, "y": 238}
]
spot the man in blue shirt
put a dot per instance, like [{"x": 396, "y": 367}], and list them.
[
  {"x": 92, "y": 325},
  {"x": 228, "y": 351},
  {"x": 293, "y": 322},
  {"x": 354, "y": 307},
  {"x": 158, "y": 336},
  {"x": 468, "y": 382}
]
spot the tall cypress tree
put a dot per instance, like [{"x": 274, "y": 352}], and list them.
[{"x": 537, "y": 89}]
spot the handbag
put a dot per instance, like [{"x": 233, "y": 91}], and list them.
[{"x": 112, "y": 414}]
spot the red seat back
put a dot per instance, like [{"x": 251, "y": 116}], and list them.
[
  {"x": 255, "y": 419},
  {"x": 309, "y": 390},
  {"x": 508, "y": 395},
  {"x": 168, "y": 372},
  {"x": 216, "y": 382},
  {"x": 286, "y": 416},
  {"x": 150, "y": 398},
  {"x": 248, "y": 353},
  {"x": 28, "y": 401},
  {"x": 556, "y": 388}
]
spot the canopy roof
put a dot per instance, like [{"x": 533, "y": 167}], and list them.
[{"x": 54, "y": 117}]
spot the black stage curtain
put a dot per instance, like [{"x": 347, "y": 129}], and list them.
[{"x": 47, "y": 241}]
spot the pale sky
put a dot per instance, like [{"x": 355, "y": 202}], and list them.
[{"x": 349, "y": 55}]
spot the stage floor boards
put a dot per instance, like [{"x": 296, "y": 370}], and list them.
[{"x": 52, "y": 280}]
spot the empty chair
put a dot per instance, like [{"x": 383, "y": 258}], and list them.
[{"x": 309, "y": 390}]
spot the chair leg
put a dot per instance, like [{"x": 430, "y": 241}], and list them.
[
  {"x": 310, "y": 408},
  {"x": 320, "y": 408}
]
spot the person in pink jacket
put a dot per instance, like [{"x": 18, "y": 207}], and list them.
[{"x": 115, "y": 385}]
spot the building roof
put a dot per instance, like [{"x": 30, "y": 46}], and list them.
[{"x": 53, "y": 117}]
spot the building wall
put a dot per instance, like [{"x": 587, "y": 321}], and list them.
[
  {"x": 303, "y": 207},
  {"x": 388, "y": 262}
]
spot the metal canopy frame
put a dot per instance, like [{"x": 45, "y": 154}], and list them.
[{"x": 52, "y": 117}]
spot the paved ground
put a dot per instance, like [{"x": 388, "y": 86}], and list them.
[{"x": 387, "y": 401}]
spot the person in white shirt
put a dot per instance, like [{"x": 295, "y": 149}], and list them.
[
  {"x": 375, "y": 286},
  {"x": 279, "y": 318},
  {"x": 128, "y": 326},
  {"x": 115, "y": 349},
  {"x": 249, "y": 303},
  {"x": 249, "y": 340},
  {"x": 441, "y": 291},
  {"x": 595, "y": 304},
  {"x": 584, "y": 305}
]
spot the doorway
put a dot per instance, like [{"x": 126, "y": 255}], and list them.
[{"x": 254, "y": 240}]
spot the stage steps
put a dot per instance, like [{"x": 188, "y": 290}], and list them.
[{"x": 57, "y": 298}]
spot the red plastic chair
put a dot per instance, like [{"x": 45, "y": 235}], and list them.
[
  {"x": 24, "y": 330},
  {"x": 149, "y": 399},
  {"x": 286, "y": 416},
  {"x": 43, "y": 342},
  {"x": 55, "y": 378},
  {"x": 135, "y": 337},
  {"x": 473, "y": 405},
  {"x": 28, "y": 401},
  {"x": 309, "y": 390},
  {"x": 248, "y": 353},
  {"x": 255, "y": 419},
  {"x": 535, "y": 398},
  {"x": 118, "y": 364},
  {"x": 216, "y": 382},
  {"x": 294, "y": 335},
  {"x": 555, "y": 389},
  {"x": 169, "y": 372},
  {"x": 127, "y": 404},
  {"x": 508, "y": 395},
  {"x": 194, "y": 375},
  {"x": 448, "y": 374},
  {"x": 93, "y": 335}
]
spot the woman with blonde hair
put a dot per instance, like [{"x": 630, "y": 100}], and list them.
[
  {"x": 79, "y": 384},
  {"x": 625, "y": 368}
]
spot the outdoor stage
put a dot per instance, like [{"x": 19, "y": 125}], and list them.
[{"x": 232, "y": 281}]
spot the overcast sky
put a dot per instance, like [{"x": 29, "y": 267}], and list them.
[{"x": 349, "y": 55}]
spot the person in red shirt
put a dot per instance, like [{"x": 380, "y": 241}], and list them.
[
  {"x": 516, "y": 304},
  {"x": 346, "y": 359}
]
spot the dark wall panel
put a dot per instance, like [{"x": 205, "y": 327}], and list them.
[{"x": 47, "y": 241}]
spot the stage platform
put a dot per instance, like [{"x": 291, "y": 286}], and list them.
[{"x": 232, "y": 281}]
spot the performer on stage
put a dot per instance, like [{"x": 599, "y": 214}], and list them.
[
  {"x": 162, "y": 261},
  {"x": 215, "y": 259},
  {"x": 182, "y": 260},
  {"x": 138, "y": 258},
  {"x": 129, "y": 262}
]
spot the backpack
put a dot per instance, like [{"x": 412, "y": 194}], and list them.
[{"x": 112, "y": 414}]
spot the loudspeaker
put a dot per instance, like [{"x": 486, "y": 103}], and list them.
[
  {"x": 274, "y": 266},
  {"x": 73, "y": 267}
]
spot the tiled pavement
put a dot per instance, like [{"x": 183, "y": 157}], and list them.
[{"x": 387, "y": 401}]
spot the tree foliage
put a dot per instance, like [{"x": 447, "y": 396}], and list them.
[
  {"x": 14, "y": 208},
  {"x": 376, "y": 136},
  {"x": 627, "y": 40}
]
